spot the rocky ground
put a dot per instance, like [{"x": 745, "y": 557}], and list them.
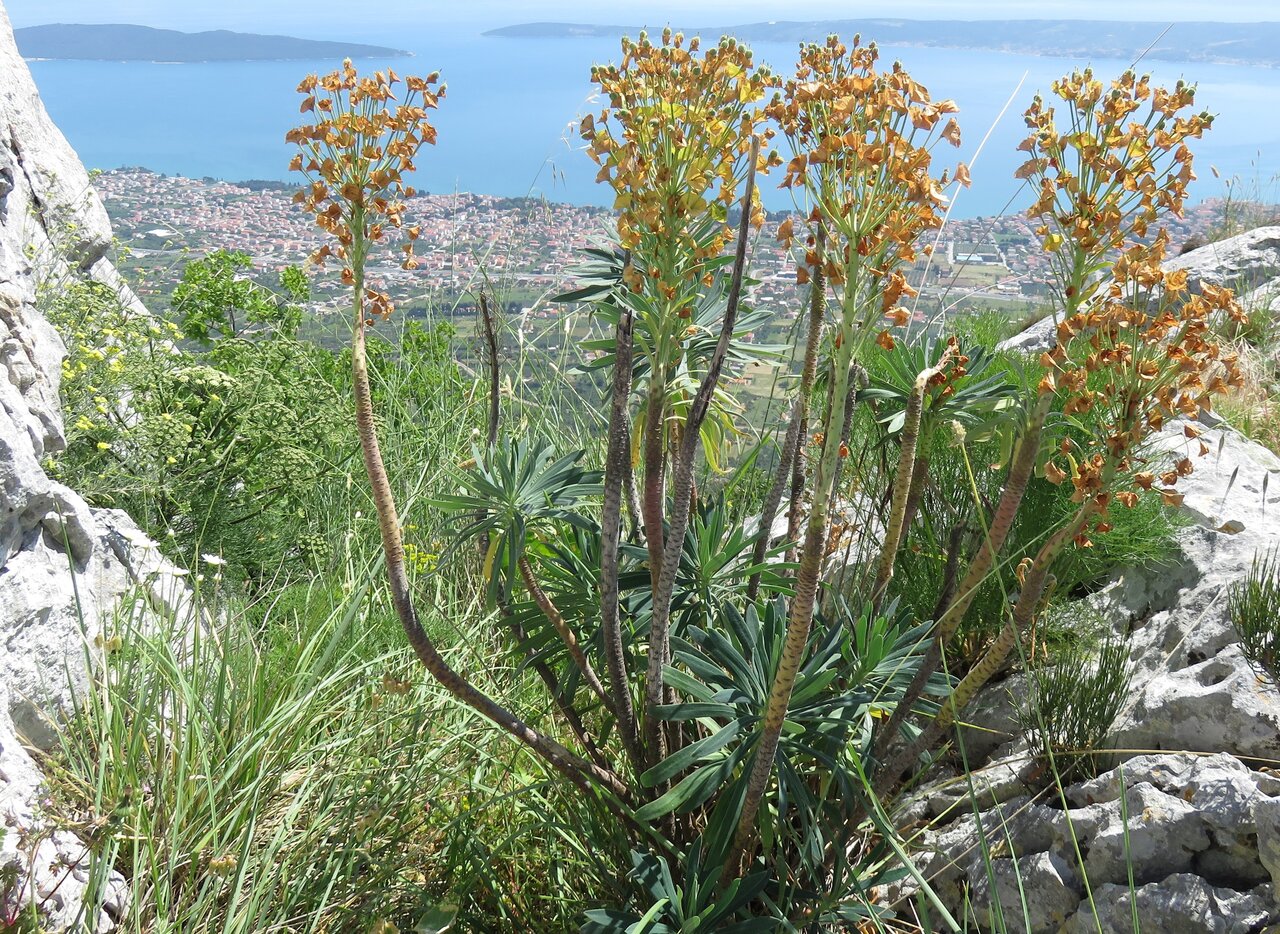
[
  {"x": 1184, "y": 834},
  {"x": 65, "y": 569}
]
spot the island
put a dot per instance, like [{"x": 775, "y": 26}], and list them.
[
  {"x": 126, "y": 43},
  {"x": 1254, "y": 44}
]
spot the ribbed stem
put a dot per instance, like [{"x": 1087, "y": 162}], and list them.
[
  {"x": 1002, "y": 520},
  {"x": 902, "y": 483},
  {"x": 562, "y": 628},
  {"x": 617, "y": 471},
  {"x": 793, "y": 442},
  {"x": 682, "y": 486},
  {"x": 653, "y": 503},
  {"x": 580, "y": 772},
  {"x": 800, "y": 618},
  {"x": 817, "y": 311}
]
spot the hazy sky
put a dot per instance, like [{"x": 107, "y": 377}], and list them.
[{"x": 336, "y": 17}]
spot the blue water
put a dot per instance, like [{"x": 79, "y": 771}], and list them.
[{"x": 505, "y": 124}]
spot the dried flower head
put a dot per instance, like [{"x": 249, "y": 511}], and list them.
[{"x": 355, "y": 158}]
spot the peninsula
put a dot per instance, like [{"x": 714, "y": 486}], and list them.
[
  {"x": 125, "y": 43},
  {"x": 1256, "y": 44}
]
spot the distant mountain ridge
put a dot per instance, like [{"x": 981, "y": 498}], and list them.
[
  {"x": 1220, "y": 43},
  {"x": 119, "y": 42}
]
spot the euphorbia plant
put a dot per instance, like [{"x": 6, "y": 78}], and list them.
[
  {"x": 355, "y": 157},
  {"x": 681, "y": 135},
  {"x": 861, "y": 139},
  {"x": 1132, "y": 345},
  {"x": 729, "y": 718}
]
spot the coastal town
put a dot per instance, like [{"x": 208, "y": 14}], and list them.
[{"x": 524, "y": 248}]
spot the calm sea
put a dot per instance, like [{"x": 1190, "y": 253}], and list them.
[{"x": 505, "y": 127}]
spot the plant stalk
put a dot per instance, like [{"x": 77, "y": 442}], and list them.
[
  {"x": 793, "y": 443},
  {"x": 580, "y": 772},
  {"x": 682, "y": 482},
  {"x": 902, "y": 484},
  {"x": 617, "y": 472},
  {"x": 566, "y": 633},
  {"x": 800, "y": 618}
]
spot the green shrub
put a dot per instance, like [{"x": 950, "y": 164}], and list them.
[
  {"x": 1253, "y": 605},
  {"x": 225, "y": 432},
  {"x": 216, "y": 446}
]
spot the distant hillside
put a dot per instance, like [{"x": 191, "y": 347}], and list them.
[
  {"x": 142, "y": 43},
  {"x": 1229, "y": 43}
]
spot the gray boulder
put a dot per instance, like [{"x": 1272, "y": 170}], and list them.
[
  {"x": 1243, "y": 262},
  {"x": 1194, "y": 689},
  {"x": 1180, "y": 904},
  {"x": 1186, "y": 832}
]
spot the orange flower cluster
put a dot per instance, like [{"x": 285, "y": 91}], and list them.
[
  {"x": 861, "y": 140},
  {"x": 1105, "y": 180},
  {"x": 1140, "y": 354},
  {"x": 950, "y": 367},
  {"x": 673, "y": 143},
  {"x": 355, "y": 157}
]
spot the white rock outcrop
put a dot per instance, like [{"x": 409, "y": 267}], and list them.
[
  {"x": 1193, "y": 808},
  {"x": 64, "y": 567}
]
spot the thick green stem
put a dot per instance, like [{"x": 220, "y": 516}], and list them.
[
  {"x": 1023, "y": 611},
  {"x": 1020, "y": 473},
  {"x": 655, "y": 465},
  {"x": 902, "y": 483},
  {"x": 800, "y": 618}
]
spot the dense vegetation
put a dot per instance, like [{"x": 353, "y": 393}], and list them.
[{"x": 681, "y": 664}]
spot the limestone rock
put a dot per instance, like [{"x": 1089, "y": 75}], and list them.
[
  {"x": 67, "y": 572},
  {"x": 1179, "y": 904},
  {"x": 1265, "y": 816},
  {"x": 1199, "y": 835},
  {"x": 1242, "y": 263},
  {"x": 1051, "y": 888},
  {"x": 1194, "y": 689},
  {"x": 1041, "y": 336}
]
